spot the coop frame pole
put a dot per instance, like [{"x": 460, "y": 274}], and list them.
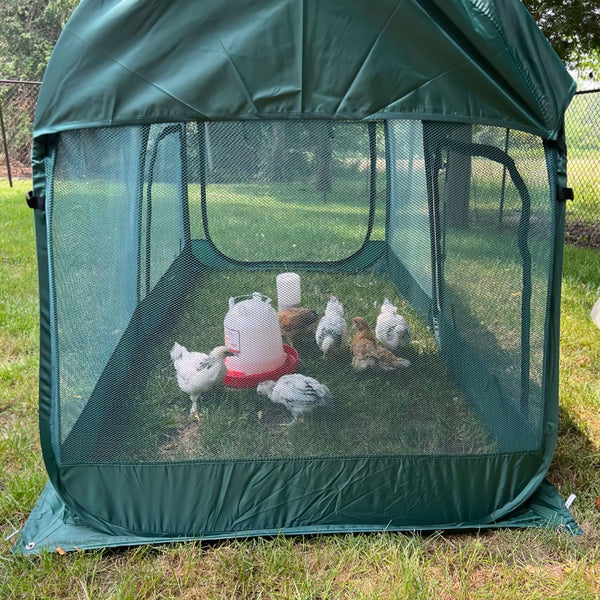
[
  {"x": 372, "y": 129},
  {"x": 503, "y": 186},
  {"x": 5, "y": 145},
  {"x": 140, "y": 191},
  {"x": 433, "y": 165}
]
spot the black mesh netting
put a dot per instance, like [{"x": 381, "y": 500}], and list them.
[{"x": 153, "y": 229}]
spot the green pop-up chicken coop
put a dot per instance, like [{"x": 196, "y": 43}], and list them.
[{"x": 186, "y": 153}]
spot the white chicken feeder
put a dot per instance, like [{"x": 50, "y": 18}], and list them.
[{"x": 252, "y": 333}]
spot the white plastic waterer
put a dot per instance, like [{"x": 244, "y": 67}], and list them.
[
  {"x": 252, "y": 333},
  {"x": 288, "y": 291}
]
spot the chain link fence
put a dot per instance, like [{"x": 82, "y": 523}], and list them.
[
  {"x": 17, "y": 108},
  {"x": 582, "y": 125}
]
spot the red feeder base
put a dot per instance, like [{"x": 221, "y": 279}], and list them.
[{"x": 240, "y": 380}]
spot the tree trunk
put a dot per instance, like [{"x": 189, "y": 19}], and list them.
[
  {"x": 323, "y": 158},
  {"x": 458, "y": 181}
]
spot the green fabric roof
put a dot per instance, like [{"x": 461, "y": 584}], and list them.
[{"x": 136, "y": 61}]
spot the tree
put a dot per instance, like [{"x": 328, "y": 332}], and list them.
[
  {"x": 324, "y": 158},
  {"x": 29, "y": 31},
  {"x": 572, "y": 28}
]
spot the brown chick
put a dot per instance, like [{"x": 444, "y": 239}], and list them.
[
  {"x": 297, "y": 322},
  {"x": 366, "y": 354}
]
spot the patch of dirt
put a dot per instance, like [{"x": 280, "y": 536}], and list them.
[
  {"x": 17, "y": 170},
  {"x": 274, "y": 416},
  {"x": 582, "y": 234},
  {"x": 183, "y": 443}
]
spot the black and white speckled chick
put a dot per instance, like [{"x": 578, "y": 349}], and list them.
[
  {"x": 298, "y": 393},
  {"x": 197, "y": 372}
]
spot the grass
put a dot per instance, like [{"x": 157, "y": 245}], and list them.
[
  {"x": 528, "y": 564},
  {"x": 338, "y": 226},
  {"x": 415, "y": 411}
]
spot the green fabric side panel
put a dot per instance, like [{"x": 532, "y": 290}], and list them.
[
  {"x": 45, "y": 371},
  {"x": 137, "y": 62},
  {"x": 49, "y": 526},
  {"x": 410, "y": 289},
  {"x": 556, "y": 161},
  {"x": 234, "y": 497},
  {"x": 557, "y": 169},
  {"x": 370, "y": 256},
  {"x": 150, "y": 316}
]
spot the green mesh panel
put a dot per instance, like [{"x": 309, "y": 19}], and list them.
[
  {"x": 409, "y": 231},
  {"x": 94, "y": 232},
  {"x": 153, "y": 229},
  {"x": 163, "y": 218},
  {"x": 485, "y": 278},
  {"x": 313, "y": 172}
]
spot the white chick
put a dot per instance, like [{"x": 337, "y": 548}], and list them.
[
  {"x": 595, "y": 314},
  {"x": 332, "y": 326},
  {"x": 298, "y": 393},
  {"x": 391, "y": 329},
  {"x": 198, "y": 372}
]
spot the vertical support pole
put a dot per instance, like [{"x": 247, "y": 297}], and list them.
[
  {"x": 148, "y": 248},
  {"x": 202, "y": 150},
  {"x": 324, "y": 158},
  {"x": 523, "y": 236},
  {"x": 458, "y": 179},
  {"x": 388, "y": 185},
  {"x": 140, "y": 193},
  {"x": 5, "y": 145},
  {"x": 503, "y": 187},
  {"x": 433, "y": 163},
  {"x": 372, "y": 175},
  {"x": 185, "y": 177}
]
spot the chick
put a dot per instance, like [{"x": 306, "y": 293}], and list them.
[
  {"x": 297, "y": 322},
  {"x": 298, "y": 393},
  {"x": 595, "y": 314},
  {"x": 391, "y": 329},
  {"x": 332, "y": 327},
  {"x": 198, "y": 372},
  {"x": 366, "y": 354}
]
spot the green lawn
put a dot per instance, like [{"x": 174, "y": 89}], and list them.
[{"x": 499, "y": 564}]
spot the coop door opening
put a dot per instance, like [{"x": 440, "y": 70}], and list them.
[
  {"x": 288, "y": 191},
  {"x": 492, "y": 201}
]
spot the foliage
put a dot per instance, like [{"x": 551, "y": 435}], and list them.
[
  {"x": 29, "y": 31},
  {"x": 571, "y": 26}
]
